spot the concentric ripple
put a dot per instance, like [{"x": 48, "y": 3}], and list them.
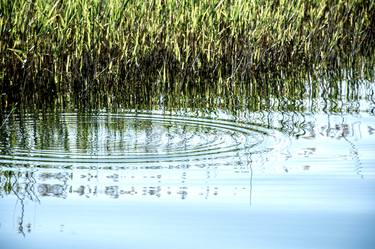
[{"x": 120, "y": 139}]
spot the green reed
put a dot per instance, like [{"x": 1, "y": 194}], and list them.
[{"x": 74, "y": 50}]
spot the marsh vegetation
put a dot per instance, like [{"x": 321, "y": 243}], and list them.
[{"x": 76, "y": 51}]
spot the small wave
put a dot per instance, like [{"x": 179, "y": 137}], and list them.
[{"x": 118, "y": 139}]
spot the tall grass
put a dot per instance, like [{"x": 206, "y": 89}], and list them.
[{"x": 78, "y": 49}]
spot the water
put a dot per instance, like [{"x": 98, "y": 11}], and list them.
[{"x": 285, "y": 172}]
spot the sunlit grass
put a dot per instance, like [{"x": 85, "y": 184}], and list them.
[{"x": 68, "y": 49}]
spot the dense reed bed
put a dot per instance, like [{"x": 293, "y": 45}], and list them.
[{"x": 76, "y": 50}]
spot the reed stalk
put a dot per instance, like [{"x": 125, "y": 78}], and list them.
[{"x": 80, "y": 49}]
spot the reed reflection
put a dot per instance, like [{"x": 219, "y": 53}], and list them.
[
  {"x": 140, "y": 183},
  {"x": 205, "y": 148},
  {"x": 173, "y": 184},
  {"x": 22, "y": 186}
]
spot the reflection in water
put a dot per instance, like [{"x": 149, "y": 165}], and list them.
[
  {"x": 129, "y": 184},
  {"x": 306, "y": 149},
  {"x": 138, "y": 183},
  {"x": 21, "y": 185},
  {"x": 149, "y": 157},
  {"x": 118, "y": 140}
]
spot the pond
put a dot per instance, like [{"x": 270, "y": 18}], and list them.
[{"x": 287, "y": 171}]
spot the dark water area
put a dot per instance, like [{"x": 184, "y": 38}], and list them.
[{"x": 288, "y": 165}]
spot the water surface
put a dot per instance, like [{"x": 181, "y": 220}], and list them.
[{"x": 291, "y": 173}]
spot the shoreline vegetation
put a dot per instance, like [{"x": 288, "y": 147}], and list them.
[{"x": 79, "y": 51}]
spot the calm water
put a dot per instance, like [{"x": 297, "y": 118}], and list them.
[{"x": 297, "y": 174}]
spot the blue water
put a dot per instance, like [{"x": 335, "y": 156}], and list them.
[{"x": 166, "y": 180}]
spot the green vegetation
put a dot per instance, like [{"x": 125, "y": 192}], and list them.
[{"x": 77, "y": 50}]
